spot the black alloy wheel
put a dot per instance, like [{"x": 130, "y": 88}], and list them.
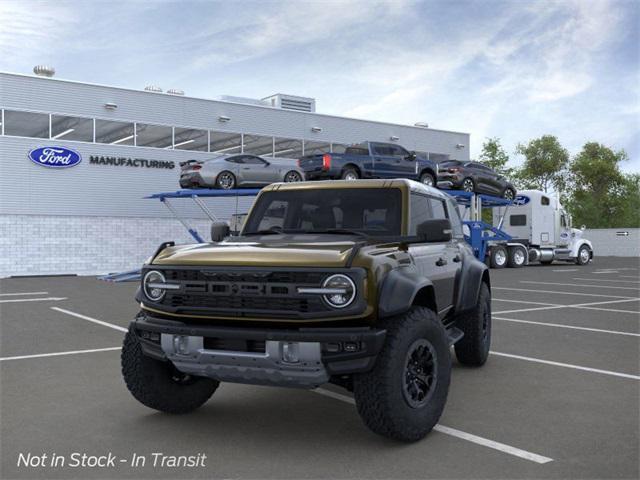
[{"x": 420, "y": 373}]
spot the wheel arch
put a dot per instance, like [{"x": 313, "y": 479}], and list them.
[
  {"x": 473, "y": 274},
  {"x": 354, "y": 167},
  {"x": 430, "y": 171},
  {"x": 402, "y": 289}
]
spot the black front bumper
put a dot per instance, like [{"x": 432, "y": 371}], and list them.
[{"x": 369, "y": 341}]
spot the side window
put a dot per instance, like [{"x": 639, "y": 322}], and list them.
[
  {"x": 419, "y": 210},
  {"x": 398, "y": 151},
  {"x": 454, "y": 217},
  {"x": 563, "y": 221},
  {"x": 518, "y": 220},
  {"x": 235, "y": 160},
  {"x": 249, "y": 159},
  {"x": 544, "y": 201},
  {"x": 437, "y": 206}
]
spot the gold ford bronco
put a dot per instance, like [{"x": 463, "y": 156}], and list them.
[{"x": 364, "y": 284}]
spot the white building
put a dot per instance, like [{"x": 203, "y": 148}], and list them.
[{"x": 92, "y": 218}]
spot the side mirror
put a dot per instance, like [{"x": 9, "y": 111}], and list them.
[
  {"x": 583, "y": 227},
  {"x": 411, "y": 156},
  {"x": 435, "y": 230},
  {"x": 219, "y": 231}
]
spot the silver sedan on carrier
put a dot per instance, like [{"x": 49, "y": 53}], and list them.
[{"x": 238, "y": 170}]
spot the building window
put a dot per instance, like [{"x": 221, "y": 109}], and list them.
[
  {"x": 26, "y": 124},
  {"x": 313, "y": 148},
  {"x": 225, "y": 143},
  {"x": 287, "y": 148},
  {"x": 153, "y": 136},
  {"x": 258, "y": 145},
  {"x": 114, "y": 133},
  {"x": 71, "y": 128},
  {"x": 190, "y": 139}
]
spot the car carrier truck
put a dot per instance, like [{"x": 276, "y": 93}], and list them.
[{"x": 540, "y": 230}]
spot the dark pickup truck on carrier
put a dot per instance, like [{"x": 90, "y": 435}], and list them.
[{"x": 370, "y": 160}]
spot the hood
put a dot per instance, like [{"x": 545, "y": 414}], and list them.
[{"x": 273, "y": 253}]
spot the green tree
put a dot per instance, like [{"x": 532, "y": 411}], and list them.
[
  {"x": 494, "y": 156},
  {"x": 600, "y": 195},
  {"x": 545, "y": 164}
]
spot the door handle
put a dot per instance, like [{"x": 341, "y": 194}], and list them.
[
  {"x": 457, "y": 258},
  {"x": 441, "y": 262}
]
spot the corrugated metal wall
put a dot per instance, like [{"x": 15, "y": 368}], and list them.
[{"x": 614, "y": 242}]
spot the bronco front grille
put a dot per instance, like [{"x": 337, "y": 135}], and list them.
[{"x": 246, "y": 292}]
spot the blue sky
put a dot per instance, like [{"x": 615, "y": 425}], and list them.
[{"x": 514, "y": 69}]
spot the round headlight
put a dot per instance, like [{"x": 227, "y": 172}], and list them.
[
  {"x": 153, "y": 294},
  {"x": 344, "y": 291}
]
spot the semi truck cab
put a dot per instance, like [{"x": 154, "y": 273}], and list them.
[{"x": 538, "y": 221}]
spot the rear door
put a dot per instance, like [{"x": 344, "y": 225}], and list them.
[
  {"x": 435, "y": 261},
  {"x": 383, "y": 160}
]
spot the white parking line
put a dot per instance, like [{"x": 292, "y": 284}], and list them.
[
  {"x": 559, "y": 325},
  {"x": 603, "y": 280},
  {"x": 23, "y": 293},
  {"x": 566, "y": 365},
  {"x": 581, "y": 285},
  {"x": 588, "y": 306},
  {"x": 58, "y": 354},
  {"x": 559, "y": 293},
  {"x": 485, "y": 442},
  {"x": 628, "y": 276},
  {"x": 47, "y": 299},
  {"x": 494, "y": 299},
  {"x": 89, "y": 319}
]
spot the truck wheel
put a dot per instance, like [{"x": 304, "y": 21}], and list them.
[
  {"x": 427, "y": 179},
  {"x": 405, "y": 393},
  {"x": 584, "y": 255},
  {"x": 350, "y": 174},
  {"x": 517, "y": 257},
  {"x": 498, "y": 256},
  {"x": 473, "y": 348},
  {"x": 159, "y": 385}
]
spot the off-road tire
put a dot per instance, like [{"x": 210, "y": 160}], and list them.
[
  {"x": 496, "y": 251},
  {"x": 427, "y": 176},
  {"x": 379, "y": 394},
  {"x": 580, "y": 259},
  {"x": 150, "y": 381},
  {"x": 512, "y": 260},
  {"x": 473, "y": 348},
  {"x": 349, "y": 173}
]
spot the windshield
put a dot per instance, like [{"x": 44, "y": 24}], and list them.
[{"x": 371, "y": 211}]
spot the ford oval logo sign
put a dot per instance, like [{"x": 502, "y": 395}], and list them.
[
  {"x": 55, "y": 157},
  {"x": 521, "y": 200}
]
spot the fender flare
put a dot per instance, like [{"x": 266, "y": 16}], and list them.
[
  {"x": 401, "y": 288},
  {"x": 472, "y": 275},
  {"x": 580, "y": 243}
]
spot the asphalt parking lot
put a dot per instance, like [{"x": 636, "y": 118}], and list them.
[{"x": 558, "y": 398}]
